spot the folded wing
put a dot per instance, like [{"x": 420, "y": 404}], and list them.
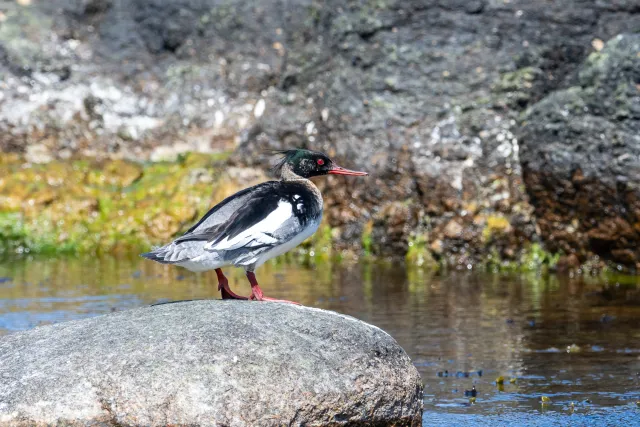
[{"x": 264, "y": 221}]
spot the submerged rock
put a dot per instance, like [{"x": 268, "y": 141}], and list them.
[{"x": 209, "y": 363}]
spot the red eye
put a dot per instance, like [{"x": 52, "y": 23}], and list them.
[{"x": 320, "y": 162}]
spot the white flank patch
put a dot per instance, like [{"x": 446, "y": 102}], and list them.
[
  {"x": 255, "y": 235},
  {"x": 286, "y": 247}
]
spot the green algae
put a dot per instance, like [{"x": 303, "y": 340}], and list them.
[
  {"x": 515, "y": 88},
  {"x": 533, "y": 257},
  {"x": 517, "y": 80},
  {"x": 24, "y": 237},
  {"x": 93, "y": 207},
  {"x": 495, "y": 225},
  {"x": 418, "y": 252},
  {"x": 367, "y": 239}
]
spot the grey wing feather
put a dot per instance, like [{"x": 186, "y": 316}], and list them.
[
  {"x": 247, "y": 252},
  {"x": 175, "y": 253},
  {"x": 191, "y": 244}
]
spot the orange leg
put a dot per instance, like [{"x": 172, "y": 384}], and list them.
[
  {"x": 223, "y": 287},
  {"x": 256, "y": 292}
]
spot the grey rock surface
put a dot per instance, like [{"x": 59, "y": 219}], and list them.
[
  {"x": 581, "y": 157},
  {"x": 208, "y": 363},
  {"x": 424, "y": 94}
]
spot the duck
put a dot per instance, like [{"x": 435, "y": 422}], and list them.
[{"x": 256, "y": 224}]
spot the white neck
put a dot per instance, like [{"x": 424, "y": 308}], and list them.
[{"x": 287, "y": 174}]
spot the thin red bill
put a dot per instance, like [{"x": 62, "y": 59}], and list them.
[{"x": 337, "y": 170}]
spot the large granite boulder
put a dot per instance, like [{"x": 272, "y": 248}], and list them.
[
  {"x": 208, "y": 363},
  {"x": 580, "y": 152}
]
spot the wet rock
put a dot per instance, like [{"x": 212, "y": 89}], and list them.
[
  {"x": 163, "y": 226},
  {"x": 114, "y": 173},
  {"x": 436, "y": 247},
  {"x": 579, "y": 151},
  {"x": 169, "y": 153},
  {"x": 200, "y": 175},
  {"x": 425, "y": 95},
  {"x": 391, "y": 229},
  {"x": 38, "y": 153},
  {"x": 387, "y": 115},
  {"x": 233, "y": 179},
  {"x": 568, "y": 262},
  {"x": 219, "y": 363},
  {"x": 606, "y": 318},
  {"x": 453, "y": 229}
]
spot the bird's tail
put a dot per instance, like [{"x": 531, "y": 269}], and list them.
[
  {"x": 176, "y": 252},
  {"x": 162, "y": 255}
]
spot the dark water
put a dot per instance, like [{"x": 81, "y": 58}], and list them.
[{"x": 573, "y": 340}]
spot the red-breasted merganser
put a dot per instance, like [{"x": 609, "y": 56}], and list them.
[{"x": 255, "y": 224}]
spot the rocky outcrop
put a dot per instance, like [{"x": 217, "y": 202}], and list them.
[
  {"x": 581, "y": 158},
  {"x": 208, "y": 363},
  {"x": 425, "y": 94}
]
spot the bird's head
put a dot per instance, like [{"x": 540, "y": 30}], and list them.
[{"x": 307, "y": 163}]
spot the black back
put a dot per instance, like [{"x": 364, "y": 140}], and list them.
[{"x": 260, "y": 202}]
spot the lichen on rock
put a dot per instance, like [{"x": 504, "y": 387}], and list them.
[
  {"x": 426, "y": 96},
  {"x": 580, "y": 149}
]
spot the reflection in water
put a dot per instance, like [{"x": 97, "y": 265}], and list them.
[{"x": 572, "y": 340}]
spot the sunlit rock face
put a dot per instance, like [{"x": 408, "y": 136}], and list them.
[
  {"x": 209, "y": 363},
  {"x": 580, "y": 157},
  {"x": 425, "y": 95}
]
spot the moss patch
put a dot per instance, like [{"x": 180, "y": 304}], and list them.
[
  {"x": 516, "y": 88},
  {"x": 532, "y": 258},
  {"x": 495, "y": 225},
  {"x": 85, "y": 206},
  {"x": 367, "y": 238},
  {"x": 418, "y": 252}
]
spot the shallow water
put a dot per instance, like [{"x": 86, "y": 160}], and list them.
[{"x": 569, "y": 339}]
